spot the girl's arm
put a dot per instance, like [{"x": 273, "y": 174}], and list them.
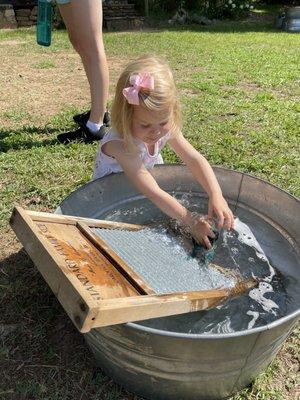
[
  {"x": 135, "y": 170},
  {"x": 204, "y": 174}
]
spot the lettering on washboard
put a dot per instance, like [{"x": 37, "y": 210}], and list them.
[{"x": 72, "y": 265}]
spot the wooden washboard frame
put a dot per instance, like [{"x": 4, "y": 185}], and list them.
[{"x": 95, "y": 286}]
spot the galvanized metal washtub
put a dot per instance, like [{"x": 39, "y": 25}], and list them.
[
  {"x": 156, "y": 358},
  {"x": 291, "y": 21}
]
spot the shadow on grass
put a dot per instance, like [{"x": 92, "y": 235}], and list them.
[
  {"x": 25, "y": 292},
  {"x": 226, "y": 27},
  {"x": 26, "y": 138},
  {"x": 39, "y": 333},
  {"x": 42, "y": 354}
]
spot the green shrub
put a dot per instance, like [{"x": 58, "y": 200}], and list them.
[
  {"x": 209, "y": 8},
  {"x": 237, "y": 7}
]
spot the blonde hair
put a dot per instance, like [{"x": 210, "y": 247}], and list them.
[{"x": 163, "y": 97}]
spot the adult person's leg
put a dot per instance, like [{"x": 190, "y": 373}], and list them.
[{"x": 83, "y": 20}]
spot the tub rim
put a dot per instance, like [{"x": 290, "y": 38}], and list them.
[
  {"x": 245, "y": 332},
  {"x": 214, "y": 167},
  {"x": 182, "y": 335}
]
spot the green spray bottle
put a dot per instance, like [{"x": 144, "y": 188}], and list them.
[{"x": 44, "y": 23}]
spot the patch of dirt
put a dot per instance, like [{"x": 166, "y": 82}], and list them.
[
  {"x": 190, "y": 92},
  {"x": 247, "y": 87},
  {"x": 116, "y": 66},
  {"x": 11, "y": 42},
  {"x": 190, "y": 71},
  {"x": 44, "y": 92},
  {"x": 226, "y": 116},
  {"x": 288, "y": 359},
  {"x": 251, "y": 89},
  {"x": 9, "y": 245}
]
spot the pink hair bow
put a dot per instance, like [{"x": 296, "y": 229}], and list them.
[{"x": 138, "y": 82}]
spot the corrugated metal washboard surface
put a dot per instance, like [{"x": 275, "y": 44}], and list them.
[{"x": 162, "y": 262}]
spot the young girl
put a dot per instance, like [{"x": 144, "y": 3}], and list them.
[{"x": 145, "y": 117}]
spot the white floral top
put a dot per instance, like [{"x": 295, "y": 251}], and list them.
[{"x": 105, "y": 165}]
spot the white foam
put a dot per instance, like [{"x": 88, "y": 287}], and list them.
[
  {"x": 257, "y": 294},
  {"x": 234, "y": 250},
  {"x": 255, "y": 315},
  {"x": 246, "y": 236}
]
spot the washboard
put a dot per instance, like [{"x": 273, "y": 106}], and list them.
[{"x": 97, "y": 285}]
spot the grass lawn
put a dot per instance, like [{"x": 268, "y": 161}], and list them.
[{"x": 240, "y": 95}]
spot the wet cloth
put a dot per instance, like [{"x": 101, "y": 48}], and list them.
[{"x": 105, "y": 165}]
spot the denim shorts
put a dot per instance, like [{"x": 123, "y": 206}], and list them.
[{"x": 63, "y": 1}]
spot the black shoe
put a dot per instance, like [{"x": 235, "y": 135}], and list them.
[
  {"x": 82, "y": 134},
  {"x": 106, "y": 119},
  {"x": 82, "y": 119}
]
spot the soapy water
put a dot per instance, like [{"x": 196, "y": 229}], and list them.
[
  {"x": 237, "y": 250},
  {"x": 240, "y": 251}
]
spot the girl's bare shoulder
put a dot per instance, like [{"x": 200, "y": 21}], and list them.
[{"x": 113, "y": 147}]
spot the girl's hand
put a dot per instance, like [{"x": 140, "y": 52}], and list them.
[
  {"x": 200, "y": 230},
  {"x": 218, "y": 206}
]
